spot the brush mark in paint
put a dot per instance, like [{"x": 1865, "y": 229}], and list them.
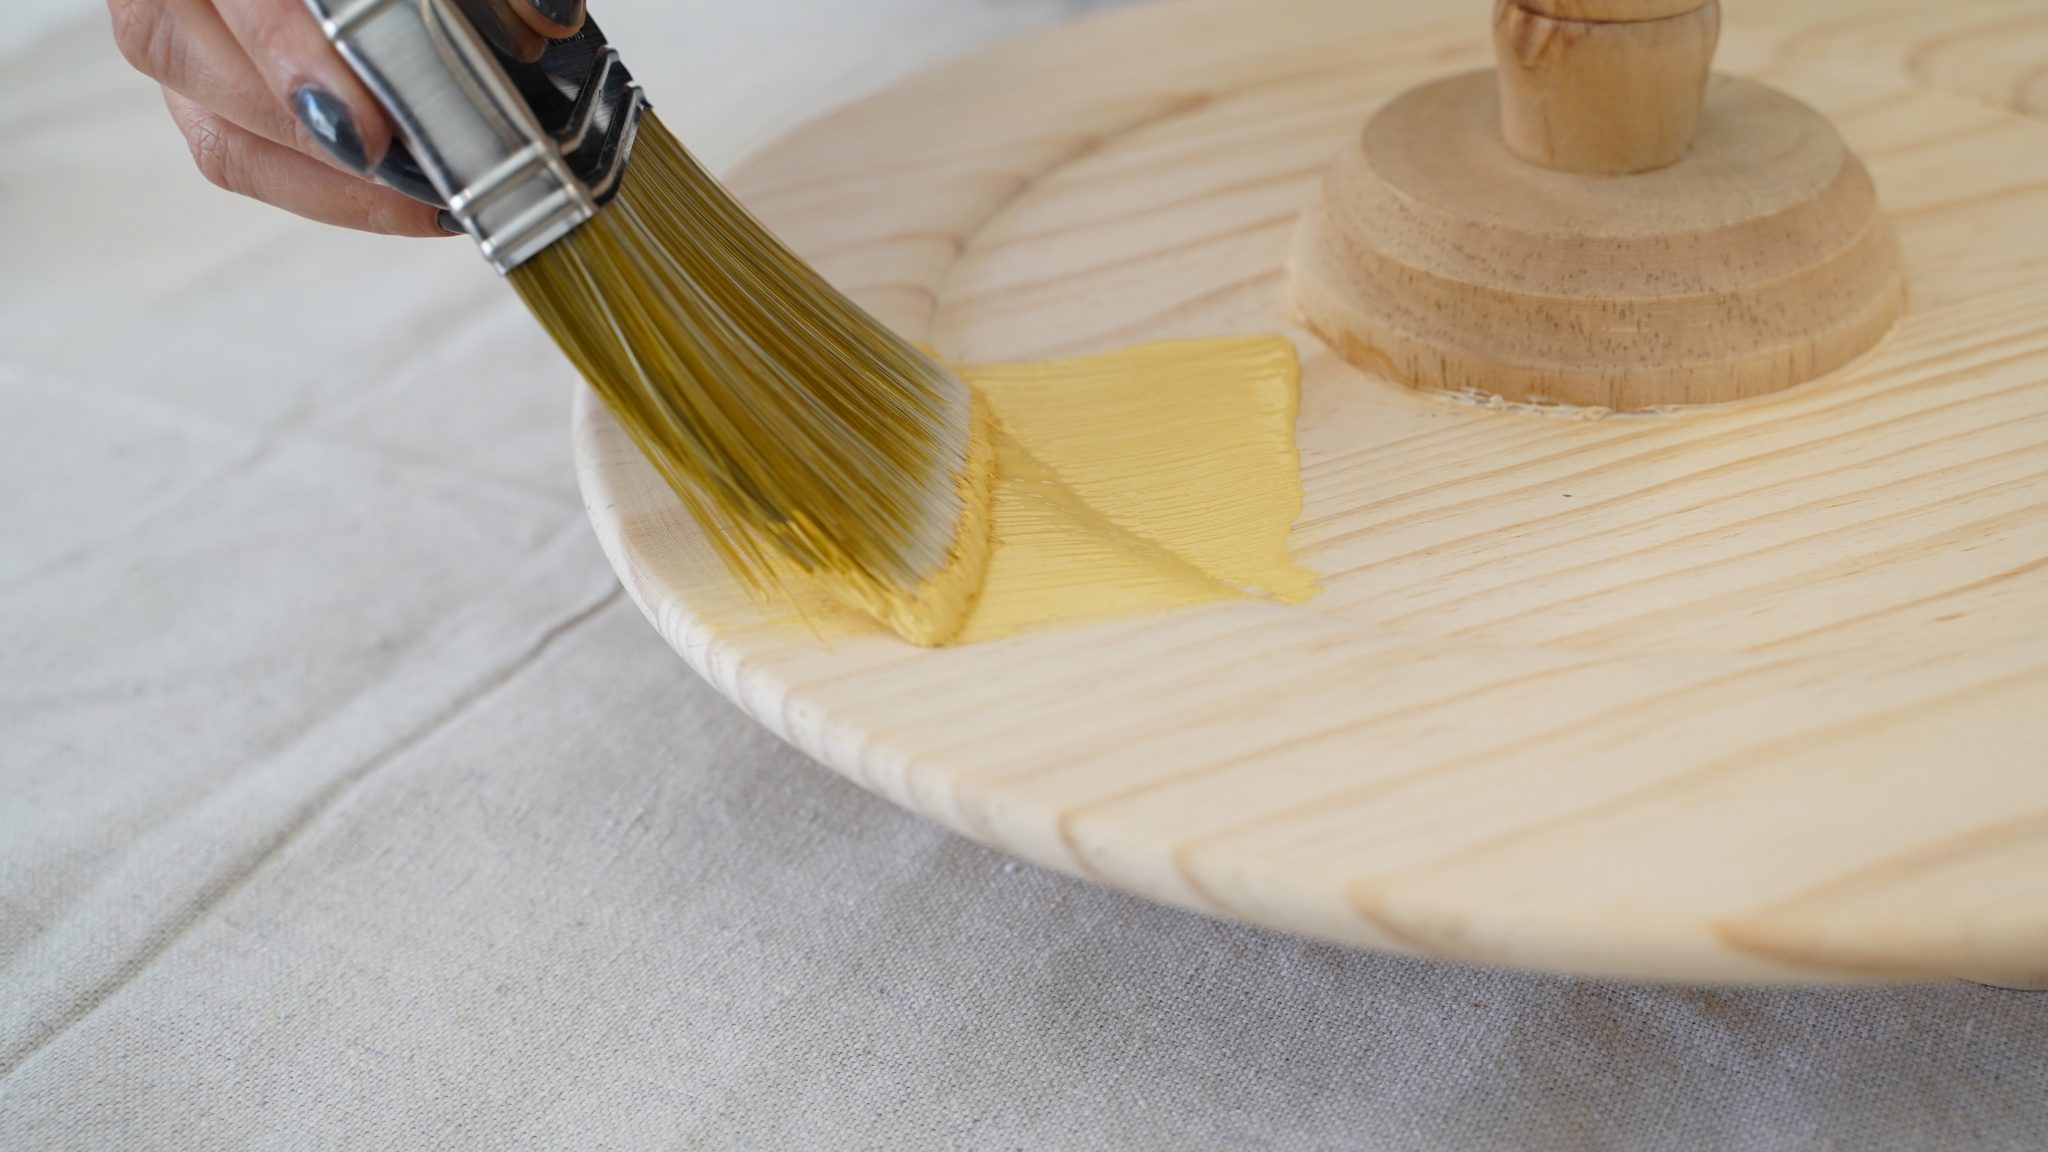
[{"x": 1154, "y": 478}]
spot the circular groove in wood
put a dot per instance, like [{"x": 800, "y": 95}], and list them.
[{"x": 1750, "y": 693}]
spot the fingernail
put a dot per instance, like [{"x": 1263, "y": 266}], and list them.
[
  {"x": 327, "y": 119},
  {"x": 567, "y": 13},
  {"x": 448, "y": 222},
  {"x": 400, "y": 171}
]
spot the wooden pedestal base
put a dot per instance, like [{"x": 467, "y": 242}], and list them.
[{"x": 1438, "y": 257}]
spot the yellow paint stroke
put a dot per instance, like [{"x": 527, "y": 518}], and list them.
[
  {"x": 1157, "y": 477},
  {"x": 938, "y": 611},
  {"x": 1153, "y": 478}
]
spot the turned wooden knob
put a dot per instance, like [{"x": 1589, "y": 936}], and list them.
[
  {"x": 1603, "y": 87},
  {"x": 1592, "y": 223}
]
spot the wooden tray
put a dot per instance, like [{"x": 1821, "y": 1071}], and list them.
[{"x": 1757, "y": 692}]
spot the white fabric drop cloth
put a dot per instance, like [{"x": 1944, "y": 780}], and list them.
[{"x": 346, "y": 803}]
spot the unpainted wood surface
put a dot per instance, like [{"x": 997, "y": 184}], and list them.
[
  {"x": 1751, "y": 693},
  {"x": 1602, "y": 96},
  {"x": 1618, "y": 11},
  {"x": 1759, "y": 260}
]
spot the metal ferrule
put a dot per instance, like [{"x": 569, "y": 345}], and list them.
[{"x": 519, "y": 153}]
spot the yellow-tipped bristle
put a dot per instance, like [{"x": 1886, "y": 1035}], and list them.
[{"x": 789, "y": 421}]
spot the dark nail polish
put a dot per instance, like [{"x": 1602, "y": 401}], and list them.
[
  {"x": 327, "y": 119},
  {"x": 398, "y": 170},
  {"x": 567, "y": 13},
  {"x": 448, "y": 222}
]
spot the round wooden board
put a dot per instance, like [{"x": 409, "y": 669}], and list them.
[{"x": 1751, "y": 693}]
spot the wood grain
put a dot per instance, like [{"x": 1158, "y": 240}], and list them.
[
  {"x": 1745, "y": 693},
  {"x": 1615, "y": 11},
  {"x": 1758, "y": 261},
  {"x": 1607, "y": 97}
]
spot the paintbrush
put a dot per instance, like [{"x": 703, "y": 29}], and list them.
[{"x": 801, "y": 433}]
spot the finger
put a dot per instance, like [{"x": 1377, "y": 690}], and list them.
[
  {"x": 304, "y": 72},
  {"x": 240, "y": 161},
  {"x": 553, "y": 19},
  {"x": 183, "y": 45}
]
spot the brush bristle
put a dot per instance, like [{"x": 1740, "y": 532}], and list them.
[{"x": 788, "y": 420}]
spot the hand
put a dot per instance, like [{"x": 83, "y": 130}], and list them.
[{"x": 271, "y": 111}]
